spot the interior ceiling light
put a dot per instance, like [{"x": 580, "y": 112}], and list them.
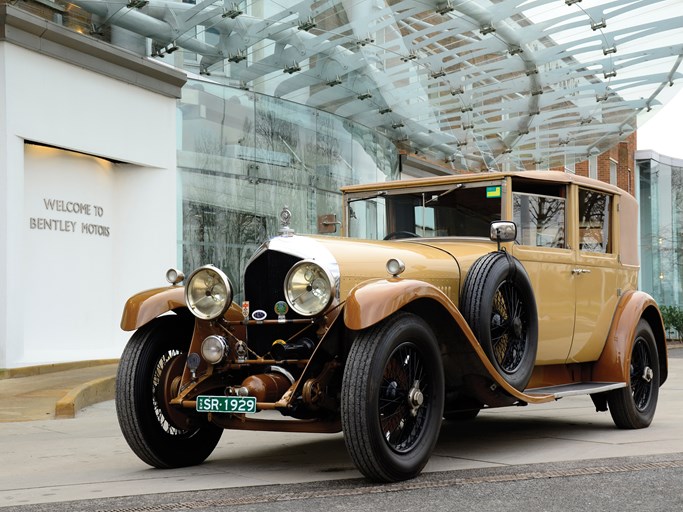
[
  {"x": 293, "y": 68},
  {"x": 307, "y": 25},
  {"x": 597, "y": 25},
  {"x": 444, "y": 8},
  {"x": 233, "y": 12}
]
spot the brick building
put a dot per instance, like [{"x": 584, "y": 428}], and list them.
[{"x": 616, "y": 166}]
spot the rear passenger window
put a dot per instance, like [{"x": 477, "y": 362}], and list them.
[
  {"x": 540, "y": 219},
  {"x": 594, "y": 221}
]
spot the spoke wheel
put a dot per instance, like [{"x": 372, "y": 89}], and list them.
[
  {"x": 499, "y": 306},
  {"x": 634, "y": 406},
  {"x": 392, "y": 398},
  {"x": 401, "y": 396},
  {"x": 148, "y": 377},
  {"x": 509, "y": 328}
]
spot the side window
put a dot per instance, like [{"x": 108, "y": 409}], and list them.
[
  {"x": 594, "y": 221},
  {"x": 540, "y": 219}
]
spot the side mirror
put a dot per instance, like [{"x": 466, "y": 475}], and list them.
[
  {"x": 328, "y": 223},
  {"x": 503, "y": 231}
]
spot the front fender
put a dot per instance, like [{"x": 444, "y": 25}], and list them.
[
  {"x": 145, "y": 306},
  {"x": 372, "y": 301},
  {"x": 615, "y": 360}
]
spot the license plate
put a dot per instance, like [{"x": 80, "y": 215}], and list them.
[{"x": 226, "y": 404}]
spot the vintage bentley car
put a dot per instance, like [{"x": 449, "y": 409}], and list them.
[{"x": 443, "y": 297}]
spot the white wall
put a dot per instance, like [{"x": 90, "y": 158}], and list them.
[
  {"x": 67, "y": 254},
  {"x": 62, "y": 292}
]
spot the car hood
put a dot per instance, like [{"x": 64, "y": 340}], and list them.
[{"x": 440, "y": 262}]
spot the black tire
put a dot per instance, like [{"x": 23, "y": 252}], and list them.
[
  {"x": 392, "y": 398},
  {"x": 634, "y": 406},
  {"x": 498, "y": 304},
  {"x": 152, "y": 433}
]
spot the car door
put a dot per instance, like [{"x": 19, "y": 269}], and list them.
[
  {"x": 542, "y": 247},
  {"x": 595, "y": 273}
]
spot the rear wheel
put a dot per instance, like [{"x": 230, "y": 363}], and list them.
[
  {"x": 149, "y": 372},
  {"x": 634, "y": 406},
  {"x": 392, "y": 398}
]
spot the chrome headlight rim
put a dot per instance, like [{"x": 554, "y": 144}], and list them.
[
  {"x": 322, "y": 305},
  {"x": 191, "y": 300},
  {"x": 214, "y": 349}
]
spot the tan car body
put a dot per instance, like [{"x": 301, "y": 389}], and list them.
[
  {"x": 596, "y": 348},
  {"x": 609, "y": 305}
]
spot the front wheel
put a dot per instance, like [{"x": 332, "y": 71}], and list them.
[
  {"x": 150, "y": 368},
  {"x": 392, "y": 398},
  {"x": 634, "y": 406}
]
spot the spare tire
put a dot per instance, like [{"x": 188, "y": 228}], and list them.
[{"x": 498, "y": 304}]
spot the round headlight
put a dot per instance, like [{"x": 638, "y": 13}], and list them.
[
  {"x": 214, "y": 349},
  {"x": 309, "y": 288},
  {"x": 208, "y": 293}
]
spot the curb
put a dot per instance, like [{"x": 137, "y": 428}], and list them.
[
  {"x": 30, "y": 371},
  {"x": 95, "y": 391}
]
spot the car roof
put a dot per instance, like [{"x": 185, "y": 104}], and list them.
[
  {"x": 628, "y": 206},
  {"x": 544, "y": 176}
]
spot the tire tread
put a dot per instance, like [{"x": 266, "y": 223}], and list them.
[
  {"x": 620, "y": 401},
  {"x": 131, "y": 398},
  {"x": 355, "y": 396},
  {"x": 478, "y": 290}
]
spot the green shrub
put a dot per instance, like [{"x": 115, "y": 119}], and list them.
[{"x": 673, "y": 320}]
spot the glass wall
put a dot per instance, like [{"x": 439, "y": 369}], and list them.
[
  {"x": 243, "y": 156},
  {"x": 661, "y": 232}
]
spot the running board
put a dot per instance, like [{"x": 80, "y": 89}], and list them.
[{"x": 577, "y": 388}]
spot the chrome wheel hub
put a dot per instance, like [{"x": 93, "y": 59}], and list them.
[
  {"x": 415, "y": 398},
  {"x": 648, "y": 374}
]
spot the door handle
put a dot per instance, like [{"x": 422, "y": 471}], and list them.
[{"x": 577, "y": 271}]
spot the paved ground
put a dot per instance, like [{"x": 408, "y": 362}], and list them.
[
  {"x": 38, "y": 396},
  {"x": 48, "y": 461},
  {"x": 645, "y": 484}
]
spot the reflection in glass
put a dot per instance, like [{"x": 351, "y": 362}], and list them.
[
  {"x": 540, "y": 220},
  {"x": 661, "y": 229},
  {"x": 243, "y": 157},
  {"x": 448, "y": 211},
  {"x": 594, "y": 221}
]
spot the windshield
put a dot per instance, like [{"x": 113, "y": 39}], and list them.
[{"x": 465, "y": 210}]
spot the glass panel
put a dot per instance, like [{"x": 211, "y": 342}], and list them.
[
  {"x": 367, "y": 219},
  {"x": 443, "y": 78},
  {"x": 540, "y": 220},
  {"x": 451, "y": 211},
  {"x": 244, "y": 156},
  {"x": 661, "y": 215},
  {"x": 594, "y": 221}
]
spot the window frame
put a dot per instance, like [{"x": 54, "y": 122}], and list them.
[
  {"x": 565, "y": 227},
  {"x": 610, "y": 248}
]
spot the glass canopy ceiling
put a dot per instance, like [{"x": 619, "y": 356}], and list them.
[{"x": 480, "y": 84}]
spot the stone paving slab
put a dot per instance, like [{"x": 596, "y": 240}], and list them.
[{"x": 51, "y": 461}]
